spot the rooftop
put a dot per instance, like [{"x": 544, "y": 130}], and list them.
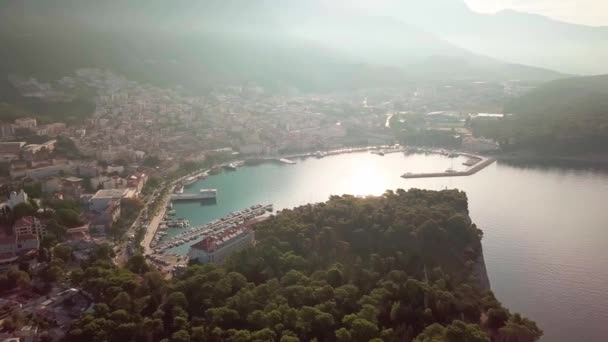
[
  {"x": 215, "y": 241},
  {"x": 109, "y": 194}
]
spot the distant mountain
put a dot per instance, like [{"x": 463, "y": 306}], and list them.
[
  {"x": 511, "y": 36},
  {"x": 312, "y": 44}
]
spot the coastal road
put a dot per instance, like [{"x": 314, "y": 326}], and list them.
[
  {"x": 121, "y": 254},
  {"x": 155, "y": 222}
]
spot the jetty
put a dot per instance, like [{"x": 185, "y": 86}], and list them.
[
  {"x": 481, "y": 164},
  {"x": 190, "y": 197}
]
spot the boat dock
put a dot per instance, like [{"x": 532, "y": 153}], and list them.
[
  {"x": 287, "y": 161},
  {"x": 480, "y": 165},
  {"x": 223, "y": 223},
  {"x": 190, "y": 197}
]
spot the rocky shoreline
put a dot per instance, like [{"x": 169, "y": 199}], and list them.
[{"x": 480, "y": 273}]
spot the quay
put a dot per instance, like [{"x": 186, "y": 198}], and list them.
[
  {"x": 480, "y": 165},
  {"x": 190, "y": 197},
  {"x": 200, "y": 232}
]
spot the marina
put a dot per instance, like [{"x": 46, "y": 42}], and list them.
[
  {"x": 229, "y": 221},
  {"x": 510, "y": 243}
]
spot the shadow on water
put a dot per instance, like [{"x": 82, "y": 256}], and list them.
[{"x": 208, "y": 202}]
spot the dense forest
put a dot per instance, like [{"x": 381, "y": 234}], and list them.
[
  {"x": 567, "y": 116},
  {"x": 399, "y": 267}
]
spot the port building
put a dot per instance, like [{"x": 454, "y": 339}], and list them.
[{"x": 217, "y": 247}]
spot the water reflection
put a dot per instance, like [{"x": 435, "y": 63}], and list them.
[{"x": 545, "y": 228}]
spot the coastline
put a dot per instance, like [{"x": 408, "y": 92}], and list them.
[
  {"x": 480, "y": 273},
  {"x": 599, "y": 161}
]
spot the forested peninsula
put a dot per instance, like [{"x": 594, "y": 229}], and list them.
[{"x": 398, "y": 267}]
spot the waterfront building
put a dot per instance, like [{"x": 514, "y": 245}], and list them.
[{"x": 218, "y": 246}]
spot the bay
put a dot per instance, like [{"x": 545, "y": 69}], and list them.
[{"x": 545, "y": 229}]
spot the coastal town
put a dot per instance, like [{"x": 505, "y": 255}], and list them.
[{"x": 109, "y": 180}]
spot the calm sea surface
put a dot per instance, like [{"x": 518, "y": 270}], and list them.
[{"x": 545, "y": 229}]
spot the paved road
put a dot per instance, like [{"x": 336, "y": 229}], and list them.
[
  {"x": 154, "y": 223},
  {"x": 121, "y": 255}
]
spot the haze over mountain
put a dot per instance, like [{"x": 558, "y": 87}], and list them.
[
  {"x": 507, "y": 35},
  {"x": 309, "y": 44}
]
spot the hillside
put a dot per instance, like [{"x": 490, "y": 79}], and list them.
[
  {"x": 393, "y": 268},
  {"x": 567, "y": 116},
  {"x": 579, "y": 98},
  {"x": 202, "y": 43}
]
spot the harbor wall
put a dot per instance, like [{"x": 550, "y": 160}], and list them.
[{"x": 473, "y": 170}]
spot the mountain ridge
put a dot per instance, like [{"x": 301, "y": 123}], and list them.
[
  {"x": 513, "y": 36},
  {"x": 224, "y": 43}
]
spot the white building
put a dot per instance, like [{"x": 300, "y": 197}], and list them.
[{"x": 103, "y": 198}]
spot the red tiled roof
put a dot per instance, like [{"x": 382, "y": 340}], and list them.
[{"x": 215, "y": 241}]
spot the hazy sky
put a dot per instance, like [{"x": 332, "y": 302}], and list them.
[{"x": 589, "y": 12}]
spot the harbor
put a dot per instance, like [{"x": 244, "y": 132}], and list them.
[
  {"x": 158, "y": 246},
  {"x": 314, "y": 180}
]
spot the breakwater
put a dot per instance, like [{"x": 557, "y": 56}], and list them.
[{"x": 482, "y": 164}]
